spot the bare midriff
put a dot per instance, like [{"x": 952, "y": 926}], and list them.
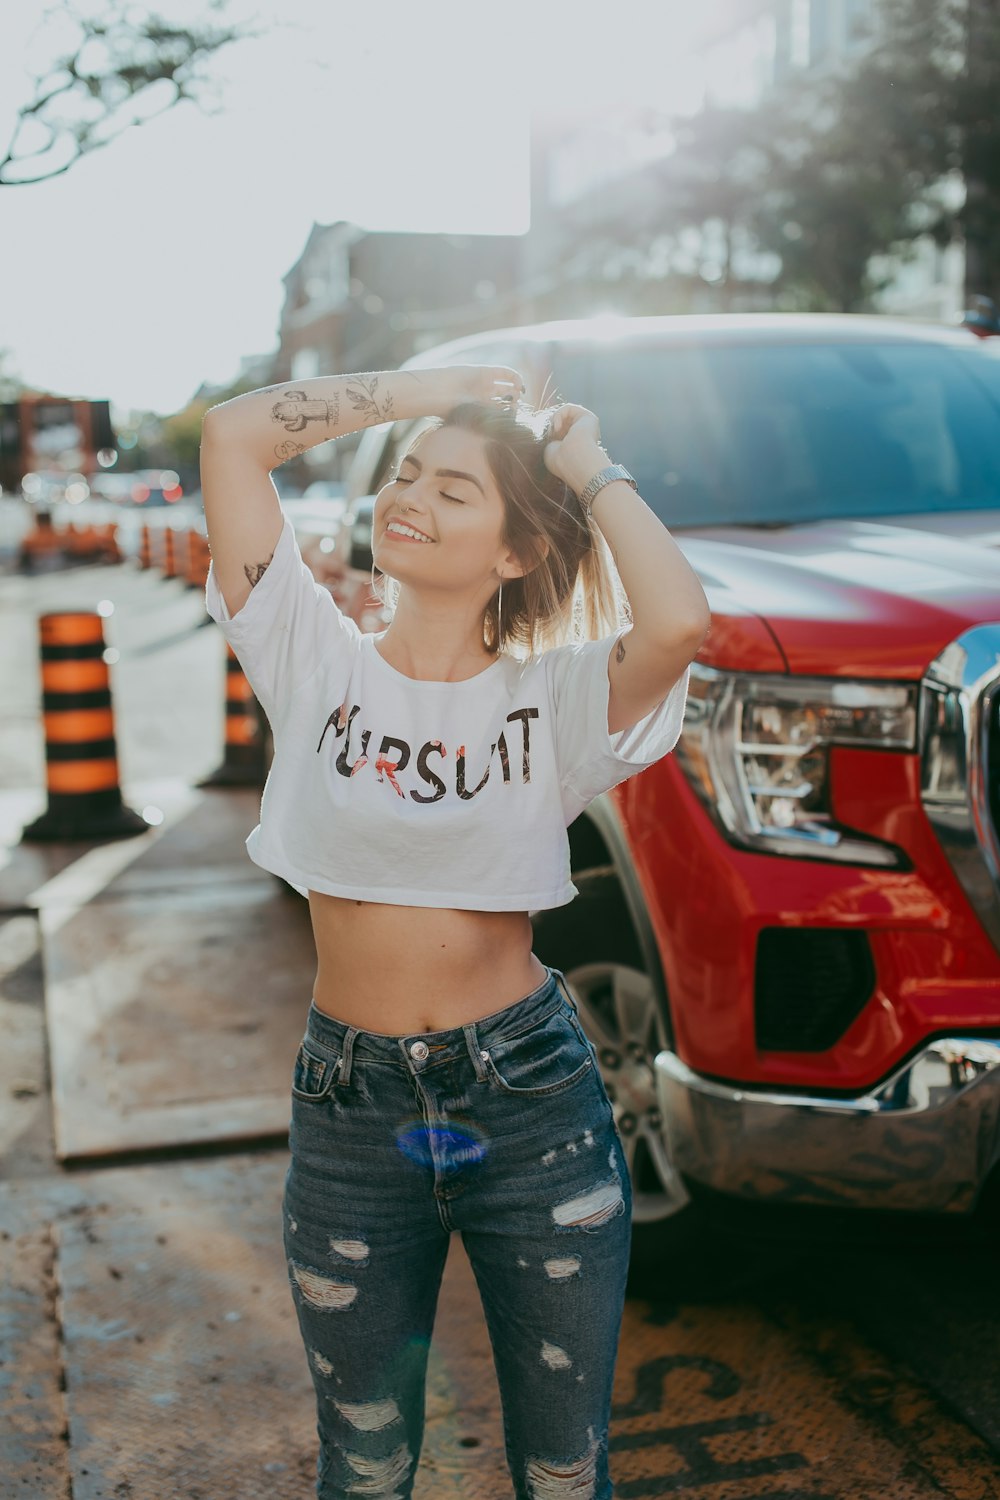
[{"x": 403, "y": 969}]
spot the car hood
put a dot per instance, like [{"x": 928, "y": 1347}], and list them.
[{"x": 846, "y": 598}]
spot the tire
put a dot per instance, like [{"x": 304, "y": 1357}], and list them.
[{"x": 594, "y": 943}]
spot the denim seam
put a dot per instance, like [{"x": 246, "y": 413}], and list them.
[
  {"x": 510, "y": 1036},
  {"x": 319, "y": 1050},
  {"x": 346, "y": 1056},
  {"x": 540, "y": 1093}
]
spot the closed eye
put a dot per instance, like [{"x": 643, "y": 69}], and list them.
[{"x": 406, "y": 479}]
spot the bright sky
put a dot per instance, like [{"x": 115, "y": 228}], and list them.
[{"x": 156, "y": 263}]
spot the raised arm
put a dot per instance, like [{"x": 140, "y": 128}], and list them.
[
  {"x": 245, "y": 438},
  {"x": 670, "y": 612}
]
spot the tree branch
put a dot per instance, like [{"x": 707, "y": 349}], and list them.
[{"x": 115, "y": 63}]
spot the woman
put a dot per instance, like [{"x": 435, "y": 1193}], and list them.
[{"x": 422, "y": 783}]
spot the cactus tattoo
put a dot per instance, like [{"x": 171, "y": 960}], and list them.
[{"x": 296, "y": 410}]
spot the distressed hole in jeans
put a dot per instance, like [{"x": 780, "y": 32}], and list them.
[
  {"x": 380, "y": 1476},
  {"x": 576, "y": 1480},
  {"x": 592, "y": 1209},
  {"x": 321, "y": 1291},
  {"x": 554, "y": 1357},
  {"x": 369, "y": 1416},
  {"x": 321, "y": 1362},
  {"x": 561, "y": 1268},
  {"x": 353, "y": 1250}
]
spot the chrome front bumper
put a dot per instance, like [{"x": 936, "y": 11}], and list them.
[{"x": 925, "y": 1138}]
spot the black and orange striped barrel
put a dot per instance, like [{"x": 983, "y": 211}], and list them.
[
  {"x": 81, "y": 758},
  {"x": 145, "y": 546},
  {"x": 107, "y": 535},
  {"x": 198, "y": 558},
  {"x": 83, "y": 542},
  {"x": 169, "y": 564},
  {"x": 244, "y": 761}
]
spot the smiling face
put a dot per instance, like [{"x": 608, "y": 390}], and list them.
[{"x": 445, "y": 491}]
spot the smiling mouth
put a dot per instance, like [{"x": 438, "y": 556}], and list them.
[{"x": 410, "y": 535}]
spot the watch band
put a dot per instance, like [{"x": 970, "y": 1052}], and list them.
[{"x": 595, "y": 485}]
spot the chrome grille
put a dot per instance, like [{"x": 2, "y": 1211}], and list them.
[
  {"x": 959, "y": 743},
  {"x": 993, "y": 764}
]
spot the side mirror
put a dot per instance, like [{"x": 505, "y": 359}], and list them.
[{"x": 982, "y": 317}]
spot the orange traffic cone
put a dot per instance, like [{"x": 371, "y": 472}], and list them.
[
  {"x": 84, "y": 797},
  {"x": 243, "y": 762},
  {"x": 145, "y": 556}
]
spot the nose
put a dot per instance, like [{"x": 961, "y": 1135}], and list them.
[{"x": 409, "y": 500}]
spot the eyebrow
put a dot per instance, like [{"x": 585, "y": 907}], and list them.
[{"x": 443, "y": 473}]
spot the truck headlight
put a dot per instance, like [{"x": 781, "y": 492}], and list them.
[{"x": 756, "y": 750}]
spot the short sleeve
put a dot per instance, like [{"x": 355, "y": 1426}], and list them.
[
  {"x": 590, "y": 759},
  {"x": 288, "y": 627}
]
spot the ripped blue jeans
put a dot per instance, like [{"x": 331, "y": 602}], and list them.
[{"x": 502, "y": 1130}]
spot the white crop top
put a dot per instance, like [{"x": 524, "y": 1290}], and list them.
[{"x": 455, "y": 794}]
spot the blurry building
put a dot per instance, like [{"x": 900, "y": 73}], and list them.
[
  {"x": 358, "y": 300},
  {"x": 756, "y": 43},
  {"x": 256, "y": 369},
  {"x": 362, "y": 300}
]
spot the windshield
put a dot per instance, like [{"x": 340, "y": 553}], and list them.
[{"x": 748, "y": 434}]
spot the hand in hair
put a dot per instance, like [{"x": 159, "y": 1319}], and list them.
[
  {"x": 573, "y": 452},
  {"x": 452, "y": 385}
]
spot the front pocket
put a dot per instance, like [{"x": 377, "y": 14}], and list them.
[
  {"x": 312, "y": 1075},
  {"x": 545, "y": 1059}
]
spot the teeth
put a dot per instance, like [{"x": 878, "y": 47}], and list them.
[{"x": 406, "y": 531}]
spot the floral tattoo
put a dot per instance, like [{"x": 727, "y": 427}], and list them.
[{"x": 364, "y": 397}]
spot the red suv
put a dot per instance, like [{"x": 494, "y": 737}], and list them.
[{"x": 786, "y": 946}]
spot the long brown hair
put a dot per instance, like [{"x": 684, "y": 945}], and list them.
[{"x": 571, "y": 590}]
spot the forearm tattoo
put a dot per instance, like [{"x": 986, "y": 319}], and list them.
[
  {"x": 256, "y": 571},
  {"x": 620, "y": 651},
  {"x": 286, "y": 450},
  {"x": 296, "y": 410},
  {"x": 366, "y": 399}
]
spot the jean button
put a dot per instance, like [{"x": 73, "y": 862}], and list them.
[{"x": 419, "y": 1051}]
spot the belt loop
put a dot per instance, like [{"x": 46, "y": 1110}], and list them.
[
  {"x": 344, "y": 1072},
  {"x": 472, "y": 1042},
  {"x": 564, "y": 986}
]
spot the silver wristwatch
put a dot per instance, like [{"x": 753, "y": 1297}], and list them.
[{"x": 595, "y": 485}]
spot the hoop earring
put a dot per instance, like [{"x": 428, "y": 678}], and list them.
[{"x": 499, "y": 608}]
